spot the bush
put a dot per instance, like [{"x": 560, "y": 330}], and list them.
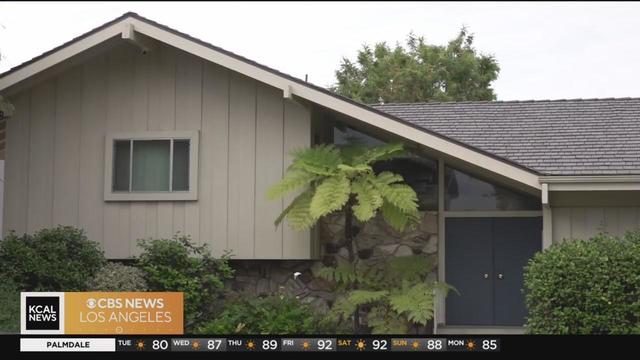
[
  {"x": 57, "y": 259},
  {"x": 276, "y": 314},
  {"x": 118, "y": 277},
  {"x": 9, "y": 306},
  {"x": 179, "y": 265},
  {"x": 585, "y": 287}
]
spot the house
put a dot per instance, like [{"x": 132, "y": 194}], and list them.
[{"x": 135, "y": 130}]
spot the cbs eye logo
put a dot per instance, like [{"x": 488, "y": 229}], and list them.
[{"x": 91, "y": 303}]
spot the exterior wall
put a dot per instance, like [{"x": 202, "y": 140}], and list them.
[
  {"x": 375, "y": 241},
  {"x": 581, "y": 215},
  {"x": 585, "y": 222},
  {"x": 55, "y": 153}
]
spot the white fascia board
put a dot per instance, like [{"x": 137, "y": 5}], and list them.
[
  {"x": 61, "y": 55},
  {"x": 592, "y": 182}
]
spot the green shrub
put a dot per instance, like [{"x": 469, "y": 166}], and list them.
[
  {"x": 9, "y": 306},
  {"x": 118, "y": 277},
  {"x": 179, "y": 265},
  {"x": 276, "y": 314},
  {"x": 57, "y": 259},
  {"x": 585, "y": 287}
]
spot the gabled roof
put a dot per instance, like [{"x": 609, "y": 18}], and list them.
[
  {"x": 290, "y": 86},
  {"x": 553, "y": 137}
]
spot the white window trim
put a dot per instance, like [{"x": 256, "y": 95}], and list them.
[{"x": 191, "y": 195}]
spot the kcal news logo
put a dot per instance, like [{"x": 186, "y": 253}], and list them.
[{"x": 42, "y": 313}]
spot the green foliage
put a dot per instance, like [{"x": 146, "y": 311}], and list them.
[
  {"x": 9, "y": 306},
  {"x": 332, "y": 179},
  {"x": 330, "y": 195},
  {"x": 276, "y": 314},
  {"x": 585, "y": 287},
  {"x": 396, "y": 291},
  {"x": 418, "y": 72},
  {"x": 57, "y": 259},
  {"x": 6, "y": 108},
  {"x": 178, "y": 264},
  {"x": 118, "y": 277}
]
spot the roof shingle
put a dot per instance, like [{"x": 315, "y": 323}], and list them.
[{"x": 553, "y": 137}]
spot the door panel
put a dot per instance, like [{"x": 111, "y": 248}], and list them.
[
  {"x": 515, "y": 241},
  {"x": 468, "y": 256}
]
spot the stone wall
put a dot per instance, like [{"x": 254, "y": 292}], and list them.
[{"x": 374, "y": 240}]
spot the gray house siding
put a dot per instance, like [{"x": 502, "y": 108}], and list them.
[{"x": 55, "y": 153}]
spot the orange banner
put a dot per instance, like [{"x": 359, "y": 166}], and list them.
[{"x": 123, "y": 313}]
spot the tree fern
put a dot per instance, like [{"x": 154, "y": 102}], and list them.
[
  {"x": 292, "y": 181},
  {"x": 320, "y": 160},
  {"x": 368, "y": 199},
  {"x": 334, "y": 179},
  {"x": 330, "y": 195}
]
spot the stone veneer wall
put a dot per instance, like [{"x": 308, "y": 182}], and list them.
[{"x": 375, "y": 240}]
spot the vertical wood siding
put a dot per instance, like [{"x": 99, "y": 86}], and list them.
[
  {"x": 55, "y": 153},
  {"x": 585, "y": 222}
]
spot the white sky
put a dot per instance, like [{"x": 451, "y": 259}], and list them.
[{"x": 545, "y": 50}]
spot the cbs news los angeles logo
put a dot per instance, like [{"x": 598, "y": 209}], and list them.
[{"x": 101, "y": 313}]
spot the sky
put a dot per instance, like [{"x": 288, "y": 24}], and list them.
[{"x": 545, "y": 50}]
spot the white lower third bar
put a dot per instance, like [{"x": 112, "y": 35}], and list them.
[{"x": 67, "y": 344}]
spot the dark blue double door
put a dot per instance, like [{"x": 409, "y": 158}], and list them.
[{"x": 484, "y": 260}]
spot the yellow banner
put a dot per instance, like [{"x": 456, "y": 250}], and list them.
[{"x": 123, "y": 313}]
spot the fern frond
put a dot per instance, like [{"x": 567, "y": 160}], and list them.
[
  {"x": 331, "y": 195},
  {"x": 368, "y": 199},
  {"x": 292, "y": 181},
  {"x": 386, "y": 178},
  {"x": 357, "y": 169},
  {"x": 378, "y": 153},
  {"x": 409, "y": 268},
  {"x": 383, "y": 321},
  {"x": 343, "y": 273},
  {"x": 401, "y": 196},
  {"x": 297, "y": 213},
  {"x": 320, "y": 160},
  {"x": 415, "y": 302},
  {"x": 398, "y": 219},
  {"x": 342, "y": 308},
  {"x": 363, "y": 297}
]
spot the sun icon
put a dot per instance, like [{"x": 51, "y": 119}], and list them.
[
  {"x": 140, "y": 345},
  {"x": 195, "y": 345},
  {"x": 361, "y": 345},
  {"x": 251, "y": 345},
  {"x": 471, "y": 345},
  {"x": 415, "y": 345},
  {"x": 306, "y": 345}
]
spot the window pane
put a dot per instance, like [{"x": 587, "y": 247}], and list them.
[
  {"x": 121, "y": 150},
  {"x": 419, "y": 173},
  {"x": 345, "y": 135},
  {"x": 465, "y": 192},
  {"x": 151, "y": 165},
  {"x": 181, "y": 165}
]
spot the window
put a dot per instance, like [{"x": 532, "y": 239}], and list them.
[
  {"x": 151, "y": 166},
  {"x": 419, "y": 172},
  {"x": 465, "y": 192}
]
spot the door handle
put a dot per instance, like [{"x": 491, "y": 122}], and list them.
[
  {"x": 486, "y": 276},
  {"x": 500, "y": 276}
]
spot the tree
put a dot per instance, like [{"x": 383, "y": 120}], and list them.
[
  {"x": 329, "y": 179},
  {"x": 418, "y": 73}
]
